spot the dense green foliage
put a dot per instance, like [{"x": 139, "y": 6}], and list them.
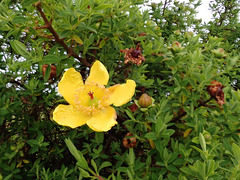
[{"x": 185, "y": 134}]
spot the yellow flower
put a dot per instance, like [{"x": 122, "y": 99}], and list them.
[{"x": 89, "y": 102}]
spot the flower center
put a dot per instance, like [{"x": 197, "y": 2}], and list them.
[{"x": 91, "y": 98}]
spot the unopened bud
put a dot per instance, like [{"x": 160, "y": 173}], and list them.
[
  {"x": 145, "y": 100},
  {"x": 175, "y": 47},
  {"x": 219, "y": 53}
]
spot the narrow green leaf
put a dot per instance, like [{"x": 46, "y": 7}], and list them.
[
  {"x": 202, "y": 142},
  {"x": 47, "y": 73},
  {"x": 236, "y": 151},
  {"x": 130, "y": 176},
  {"x": 94, "y": 165},
  {"x": 77, "y": 154},
  {"x": 131, "y": 157}
]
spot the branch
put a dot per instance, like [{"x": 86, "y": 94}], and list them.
[
  {"x": 181, "y": 113},
  {"x": 48, "y": 25},
  {"x": 164, "y": 7}
]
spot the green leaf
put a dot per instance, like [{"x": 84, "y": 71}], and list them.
[
  {"x": 99, "y": 137},
  {"x": 94, "y": 165},
  {"x": 84, "y": 173},
  {"x": 151, "y": 135},
  {"x": 3, "y": 111},
  {"x": 19, "y": 19},
  {"x": 50, "y": 59},
  {"x": 202, "y": 142},
  {"x": 103, "y": 7},
  {"x": 172, "y": 168},
  {"x": 104, "y": 164},
  {"x": 236, "y": 151},
  {"x": 131, "y": 157},
  {"x": 65, "y": 33},
  {"x": 77, "y": 154},
  {"x": 47, "y": 73},
  {"x": 130, "y": 176},
  {"x": 20, "y": 48}
]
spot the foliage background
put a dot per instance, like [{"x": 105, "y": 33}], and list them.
[{"x": 185, "y": 135}]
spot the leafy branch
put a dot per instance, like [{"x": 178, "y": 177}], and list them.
[{"x": 48, "y": 25}]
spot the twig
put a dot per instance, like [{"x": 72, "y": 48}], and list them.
[
  {"x": 48, "y": 25},
  {"x": 183, "y": 113}
]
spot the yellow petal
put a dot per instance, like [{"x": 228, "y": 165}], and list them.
[
  {"x": 122, "y": 93},
  {"x": 104, "y": 120},
  {"x": 67, "y": 115},
  {"x": 98, "y": 74},
  {"x": 70, "y": 82}
]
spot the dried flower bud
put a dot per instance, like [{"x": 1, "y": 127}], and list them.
[
  {"x": 53, "y": 70},
  {"x": 133, "y": 55},
  {"x": 145, "y": 100},
  {"x": 216, "y": 91},
  {"x": 128, "y": 141}
]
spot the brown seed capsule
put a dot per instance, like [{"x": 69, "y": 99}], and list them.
[
  {"x": 145, "y": 100},
  {"x": 129, "y": 142}
]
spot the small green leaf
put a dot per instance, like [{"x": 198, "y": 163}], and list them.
[
  {"x": 151, "y": 135},
  {"x": 50, "y": 59},
  {"x": 3, "y": 111},
  {"x": 104, "y": 164},
  {"x": 172, "y": 168},
  {"x": 65, "y": 33},
  {"x": 130, "y": 176},
  {"x": 47, "y": 73},
  {"x": 94, "y": 165},
  {"x": 84, "y": 173},
  {"x": 202, "y": 142},
  {"x": 236, "y": 151},
  {"x": 20, "y": 48},
  {"x": 131, "y": 157}
]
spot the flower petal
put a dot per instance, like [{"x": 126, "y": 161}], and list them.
[
  {"x": 104, "y": 120},
  {"x": 67, "y": 115},
  {"x": 122, "y": 93},
  {"x": 98, "y": 74},
  {"x": 70, "y": 82}
]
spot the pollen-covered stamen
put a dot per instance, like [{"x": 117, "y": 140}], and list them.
[
  {"x": 91, "y": 94},
  {"x": 91, "y": 98}
]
